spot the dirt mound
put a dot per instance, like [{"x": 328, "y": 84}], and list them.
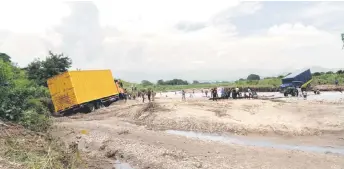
[{"x": 149, "y": 110}]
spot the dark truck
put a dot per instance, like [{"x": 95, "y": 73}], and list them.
[{"x": 301, "y": 79}]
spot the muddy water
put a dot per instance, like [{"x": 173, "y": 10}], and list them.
[{"x": 232, "y": 139}]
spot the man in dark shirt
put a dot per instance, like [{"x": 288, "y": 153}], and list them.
[{"x": 149, "y": 94}]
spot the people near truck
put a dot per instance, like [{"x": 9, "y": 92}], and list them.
[
  {"x": 304, "y": 94},
  {"x": 234, "y": 94},
  {"x": 125, "y": 95},
  {"x": 134, "y": 94},
  {"x": 303, "y": 89},
  {"x": 254, "y": 94},
  {"x": 249, "y": 92},
  {"x": 214, "y": 94},
  {"x": 153, "y": 95},
  {"x": 149, "y": 94},
  {"x": 143, "y": 96},
  {"x": 299, "y": 91},
  {"x": 183, "y": 95},
  {"x": 229, "y": 93}
]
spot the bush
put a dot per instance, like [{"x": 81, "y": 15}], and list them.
[
  {"x": 34, "y": 121},
  {"x": 21, "y": 99}
]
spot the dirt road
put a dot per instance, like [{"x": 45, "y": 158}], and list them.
[{"x": 135, "y": 133}]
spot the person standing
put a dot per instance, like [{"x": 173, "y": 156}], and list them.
[
  {"x": 206, "y": 93},
  {"x": 125, "y": 95},
  {"x": 183, "y": 95},
  {"x": 149, "y": 94},
  {"x": 143, "y": 96},
  {"x": 153, "y": 95},
  {"x": 237, "y": 92},
  {"x": 214, "y": 93}
]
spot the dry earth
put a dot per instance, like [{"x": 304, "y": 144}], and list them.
[{"x": 133, "y": 132}]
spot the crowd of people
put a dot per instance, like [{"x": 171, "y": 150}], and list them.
[
  {"x": 225, "y": 93},
  {"x": 139, "y": 94}
]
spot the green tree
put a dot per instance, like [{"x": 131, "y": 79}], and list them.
[
  {"x": 146, "y": 83},
  {"x": 176, "y": 82},
  {"x": 195, "y": 82},
  {"x": 21, "y": 98},
  {"x": 54, "y": 64},
  {"x": 160, "y": 82},
  {"x": 316, "y": 74},
  {"x": 253, "y": 77},
  {"x": 5, "y": 57}
]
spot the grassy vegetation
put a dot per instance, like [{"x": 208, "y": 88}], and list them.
[
  {"x": 36, "y": 151},
  {"x": 25, "y": 101},
  {"x": 273, "y": 82}
]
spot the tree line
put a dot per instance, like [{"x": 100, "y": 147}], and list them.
[
  {"x": 173, "y": 82},
  {"x": 167, "y": 82},
  {"x": 328, "y": 73}
]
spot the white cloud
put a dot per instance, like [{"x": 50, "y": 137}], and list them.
[
  {"x": 162, "y": 39},
  {"x": 31, "y": 16}
]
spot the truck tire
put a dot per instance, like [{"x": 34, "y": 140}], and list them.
[
  {"x": 98, "y": 105},
  {"x": 90, "y": 107},
  {"x": 285, "y": 94},
  {"x": 293, "y": 94},
  {"x": 106, "y": 104}
]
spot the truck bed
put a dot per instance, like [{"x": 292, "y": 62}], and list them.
[{"x": 77, "y": 87}]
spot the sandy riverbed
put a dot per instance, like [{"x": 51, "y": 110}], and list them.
[{"x": 137, "y": 132}]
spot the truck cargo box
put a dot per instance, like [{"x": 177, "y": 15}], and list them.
[
  {"x": 77, "y": 87},
  {"x": 303, "y": 76}
]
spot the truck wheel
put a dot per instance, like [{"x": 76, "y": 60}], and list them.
[
  {"x": 106, "y": 104},
  {"x": 98, "y": 105},
  {"x": 90, "y": 107},
  {"x": 285, "y": 94},
  {"x": 293, "y": 94}
]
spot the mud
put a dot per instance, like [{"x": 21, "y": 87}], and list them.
[{"x": 244, "y": 133}]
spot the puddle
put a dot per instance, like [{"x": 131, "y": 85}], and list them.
[
  {"x": 120, "y": 165},
  {"x": 231, "y": 139}
]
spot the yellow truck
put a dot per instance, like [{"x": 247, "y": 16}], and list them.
[{"x": 84, "y": 90}]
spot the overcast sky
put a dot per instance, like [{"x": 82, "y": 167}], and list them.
[{"x": 189, "y": 39}]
